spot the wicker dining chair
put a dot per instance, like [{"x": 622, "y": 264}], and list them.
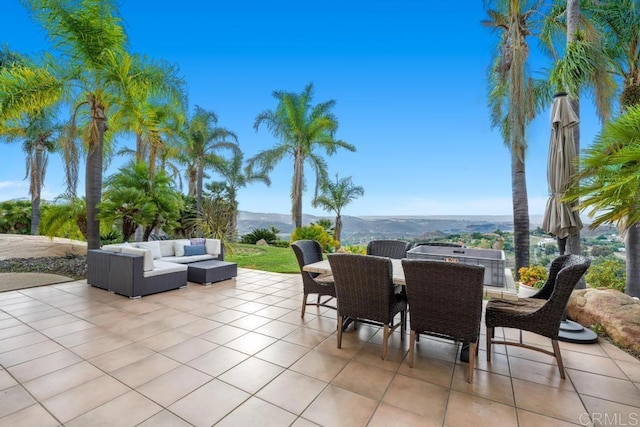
[
  {"x": 542, "y": 313},
  {"x": 396, "y": 249},
  {"x": 308, "y": 252},
  {"x": 365, "y": 293},
  {"x": 445, "y": 299}
]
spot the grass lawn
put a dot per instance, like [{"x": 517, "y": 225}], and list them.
[{"x": 266, "y": 258}]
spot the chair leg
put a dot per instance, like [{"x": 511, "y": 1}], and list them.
[
  {"x": 489, "y": 336},
  {"x": 318, "y": 299},
  {"x": 385, "y": 341},
  {"x": 340, "y": 319},
  {"x": 472, "y": 360},
  {"x": 556, "y": 351},
  {"x": 412, "y": 344},
  {"x": 304, "y": 305}
]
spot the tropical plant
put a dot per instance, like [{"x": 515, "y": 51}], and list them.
[
  {"x": 335, "y": 196},
  {"x": 201, "y": 139},
  {"x": 325, "y": 223},
  {"x": 607, "y": 272},
  {"x": 214, "y": 220},
  {"x": 354, "y": 249},
  {"x": 93, "y": 71},
  {"x": 268, "y": 235},
  {"x": 236, "y": 177},
  {"x": 133, "y": 199},
  {"x": 15, "y": 217},
  {"x": 533, "y": 275},
  {"x": 315, "y": 232},
  {"x": 65, "y": 217},
  {"x": 514, "y": 99},
  {"x": 303, "y": 129}
]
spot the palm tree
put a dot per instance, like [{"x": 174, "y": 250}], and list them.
[
  {"x": 335, "y": 196},
  {"x": 236, "y": 177},
  {"x": 514, "y": 98},
  {"x": 91, "y": 69},
  {"x": 201, "y": 139},
  {"x": 302, "y": 129},
  {"x": 66, "y": 217}
]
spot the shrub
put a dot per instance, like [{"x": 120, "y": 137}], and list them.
[
  {"x": 607, "y": 272},
  {"x": 315, "y": 232},
  {"x": 281, "y": 243},
  {"x": 354, "y": 249},
  {"x": 256, "y": 234},
  {"x": 534, "y": 275},
  {"x": 110, "y": 237},
  {"x": 15, "y": 217}
]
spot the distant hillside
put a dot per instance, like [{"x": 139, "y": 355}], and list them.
[{"x": 363, "y": 229}]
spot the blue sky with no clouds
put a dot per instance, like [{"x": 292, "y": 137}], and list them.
[{"x": 409, "y": 79}]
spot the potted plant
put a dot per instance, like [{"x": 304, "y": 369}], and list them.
[{"x": 532, "y": 278}]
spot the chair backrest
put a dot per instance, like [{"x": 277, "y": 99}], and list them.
[
  {"x": 557, "y": 265},
  {"x": 307, "y": 252},
  {"x": 396, "y": 249},
  {"x": 364, "y": 286},
  {"x": 444, "y": 297}
]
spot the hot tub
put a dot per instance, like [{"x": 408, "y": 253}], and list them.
[{"x": 492, "y": 260}]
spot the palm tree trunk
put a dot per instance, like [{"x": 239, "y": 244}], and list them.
[
  {"x": 337, "y": 230},
  {"x": 140, "y": 151},
  {"x": 296, "y": 194},
  {"x": 93, "y": 176},
  {"x": 152, "y": 162},
  {"x": 199, "y": 179},
  {"x": 520, "y": 212},
  {"x": 36, "y": 187},
  {"x": 632, "y": 243}
]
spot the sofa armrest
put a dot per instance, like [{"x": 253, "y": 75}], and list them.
[
  {"x": 98, "y": 266},
  {"x": 125, "y": 274}
]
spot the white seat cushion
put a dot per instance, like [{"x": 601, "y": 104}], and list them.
[
  {"x": 165, "y": 268},
  {"x": 148, "y": 264},
  {"x": 186, "y": 259},
  {"x": 153, "y": 246},
  {"x": 166, "y": 248}
]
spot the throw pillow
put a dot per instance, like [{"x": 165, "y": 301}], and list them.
[
  {"x": 212, "y": 246},
  {"x": 197, "y": 241},
  {"x": 178, "y": 246},
  {"x": 194, "y": 250},
  {"x": 153, "y": 246}
]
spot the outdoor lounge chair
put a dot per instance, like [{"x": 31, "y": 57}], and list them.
[
  {"x": 445, "y": 300},
  {"x": 308, "y": 252},
  {"x": 365, "y": 293},
  {"x": 542, "y": 313}
]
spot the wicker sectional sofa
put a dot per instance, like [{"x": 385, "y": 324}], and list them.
[{"x": 144, "y": 268}]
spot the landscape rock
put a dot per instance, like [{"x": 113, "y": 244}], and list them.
[
  {"x": 262, "y": 242},
  {"x": 617, "y": 313}
]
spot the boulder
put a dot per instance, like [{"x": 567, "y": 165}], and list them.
[
  {"x": 262, "y": 242},
  {"x": 617, "y": 313}
]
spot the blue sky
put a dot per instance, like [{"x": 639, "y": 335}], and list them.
[{"x": 408, "y": 77}]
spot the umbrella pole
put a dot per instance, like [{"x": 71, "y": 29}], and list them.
[{"x": 562, "y": 245}]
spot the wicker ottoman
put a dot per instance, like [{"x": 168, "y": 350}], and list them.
[{"x": 207, "y": 272}]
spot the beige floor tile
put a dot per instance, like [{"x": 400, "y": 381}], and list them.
[
  {"x": 30, "y": 352},
  {"x": 306, "y": 337},
  {"x": 616, "y": 353},
  {"x": 282, "y": 353},
  {"x": 531, "y": 419},
  {"x": 250, "y": 307},
  {"x": 546, "y": 400},
  {"x": 164, "y": 419},
  {"x": 22, "y": 340},
  {"x": 82, "y": 337},
  {"x": 257, "y": 412},
  {"x": 387, "y": 415},
  {"x": 6, "y": 380},
  {"x": 174, "y": 385},
  {"x": 218, "y": 361},
  {"x": 120, "y": 357},
  {"x": 294, "y": 318},
  {"x": 50, "y": 322},
  {"x": 324, "y": 324},
  {"x": 39, "y": 315},
  {"x": 613, "y": 389},
  {"x": 251, "y": 343},
  {"x": 67, "y": 328},
  {"x": 630, "y": 369},
  {"x": 130, "y": 409},
  {"x": 102, "y": 345},
  {"x": 34, "y": 415},
  {"x": 463, "y": 408},
  {"x": 75, "y": 402},
  {"x": 593, "y": 364},
  {"x": 223, "y": 334},
  {"x": 607, "y": 413},
  {"x": 62, "y": 380},
  {"x": 277, "y": 329},
  {"x": 485, "y": 384},
  {"x": 349, "y": 348},
  {"x": 145, "y": 370},
  {"x": 199, "y": 327},
  {"x": 319, "y": 365},
  {"x": 301, "y": 422},
  {"x": 292, "y": 391},
  {"x": 541, "y": 373},
  {"x": 250, "y": 322},
  {"x": 339, "y": 407},
  {"x": 189, "y": 349},
  {"x": 269, "y": 300},
  {"x": 364, "y": 379},
  {"x": 595, "y": 349},
  {"x": 435, "y": 348},
  {"x": 209, "y": 404},
  {"x": 251, "y": 375},
  {"x": 14, "y": 399},
  {"x": 110, "y": 318},
  {"x": 166, "y": 339},
  {"x": 435, "y": 371},
  {"x": 420, "y": 397}
]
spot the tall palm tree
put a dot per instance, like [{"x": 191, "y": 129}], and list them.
[
  {"x": 236, "y": 177},
  {"x": 514, "y": 99},
  {"x": 202, "y": 138},
  {"x": 94, "y": 72},
  {"x": 335, "y": 196},
  {"x": 302, "y": 129}
]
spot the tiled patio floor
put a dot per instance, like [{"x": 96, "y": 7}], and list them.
[{"x": 237, "y": 353}]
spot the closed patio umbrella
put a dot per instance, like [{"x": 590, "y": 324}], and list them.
[{"x": 559, "y": 218}]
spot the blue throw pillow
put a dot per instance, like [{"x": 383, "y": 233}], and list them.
[{"x": 190, "y": 250}]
